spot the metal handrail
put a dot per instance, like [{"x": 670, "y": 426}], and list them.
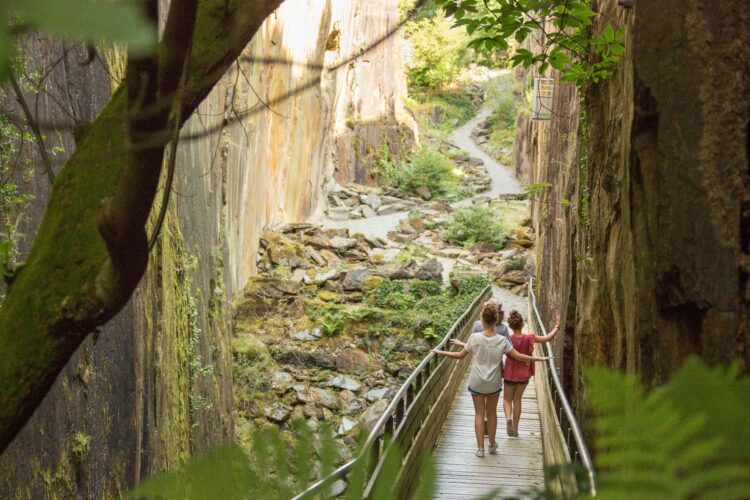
[
  {"x": 577, "y": 448},
  {"x": 380, "y": 426}
]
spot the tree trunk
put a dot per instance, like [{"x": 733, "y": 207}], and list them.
[{"x": 74, "y": 279}]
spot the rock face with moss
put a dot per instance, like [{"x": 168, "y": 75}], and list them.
[
  {"x": 151, "y": 388},
  {"x": 649, "y": 257}
]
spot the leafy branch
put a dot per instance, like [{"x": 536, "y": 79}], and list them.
[{"x": 564, "y": 27}]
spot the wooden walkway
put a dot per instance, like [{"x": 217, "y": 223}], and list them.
[{"x": 517, "y": 467}]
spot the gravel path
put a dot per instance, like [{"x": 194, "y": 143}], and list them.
[{"x": 502, "y": 179}]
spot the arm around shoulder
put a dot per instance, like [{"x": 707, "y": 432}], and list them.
[{"x": 522, "y": 357}]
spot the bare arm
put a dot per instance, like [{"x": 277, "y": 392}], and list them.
[
  {"x": 451, "y": 354},
  {"x": 550, "y": 335},
  {"x": 522, "y": 357},
  {"x": 458, "y": 342}
]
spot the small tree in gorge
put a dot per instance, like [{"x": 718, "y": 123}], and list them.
[{"x": 564, "y": 27}]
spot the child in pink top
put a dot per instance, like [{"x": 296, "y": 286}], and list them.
[{"x": 516, "y": 374}]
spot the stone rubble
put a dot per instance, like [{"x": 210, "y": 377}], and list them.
[
  {"x": 343, "y": 382},
  {"x": 355, "y": 201}
]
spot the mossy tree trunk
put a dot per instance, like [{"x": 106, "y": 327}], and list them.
[{"x": 91, "y": 249}]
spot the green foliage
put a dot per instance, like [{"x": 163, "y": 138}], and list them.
[
  {"x": 400, "y": 294},
  {"x": 199, "y": 370},
  {"x": 567, "y": 43},
  {"x": 474, "y": 224},
  {"x": 386, "y": 171},
  {"x": 454, "y": 101},
  {"x": 468, "y": 284},
  {"x": 687, "y": 439},
  {"x": 430, "y": 334},
  {"x": 412, "y": 251},
  {"x": 407, "y": 10},
  {"x": 534, "y": 189},
  {"x": 505, "y": 113},
  {"x": 505, "y": 96},
  {"x": 437, "y": 51},
  {"x": 89, "y": 20},
  {"x": 79, "y": 446},
  {"x": 276, "y": 468},
  {"x": 425, "y": 307},
  {"x": 363, "y": 313},
  {"x": 437, "y": 313},
  {"x": 459, "y": 101},
  {"x": 249, "y": 349},
  {"x": 426, "y": 167},
  {"x": 12, "y": 200},
  {"x": 332, "y": 318},
  {"x": 331, "y": 323}
]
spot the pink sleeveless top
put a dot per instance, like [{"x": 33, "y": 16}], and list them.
[{"x": 520, "y": 371}]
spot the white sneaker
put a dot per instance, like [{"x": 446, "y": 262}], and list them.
[
  {"x": 493, "y": 449},
  {"x": 480, "y": 452}
]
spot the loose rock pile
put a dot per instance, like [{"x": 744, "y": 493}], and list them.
[
  {"x": 477, "y": 93},
  {"x": 345, "y": 381},
  {"x": 509, "y": 268},
  {"x": 355, "y": 201},
  {"x": 481, "y": 135},
  {"x": 334, "y": 260},
  {"x": 288, "y": 366}
]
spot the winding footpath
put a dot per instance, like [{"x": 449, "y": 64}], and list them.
[
  {"x": 502, "y": 182},
  {"x": 517, "y": 469}
]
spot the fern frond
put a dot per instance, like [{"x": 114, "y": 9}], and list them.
[{"x": 687, "y": 439}]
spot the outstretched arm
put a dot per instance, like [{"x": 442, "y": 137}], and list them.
[
  {"x": 451, "y": 354},
  {"x": 522, "y": 357},
  {"x": 551, "y": 334}
]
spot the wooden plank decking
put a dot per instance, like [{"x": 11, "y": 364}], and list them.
[{"x": 518, "y": 465}]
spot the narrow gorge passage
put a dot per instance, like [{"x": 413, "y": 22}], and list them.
[
  {"x": 340, "y": 313},
  {"x": 329, "y": 189}
]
